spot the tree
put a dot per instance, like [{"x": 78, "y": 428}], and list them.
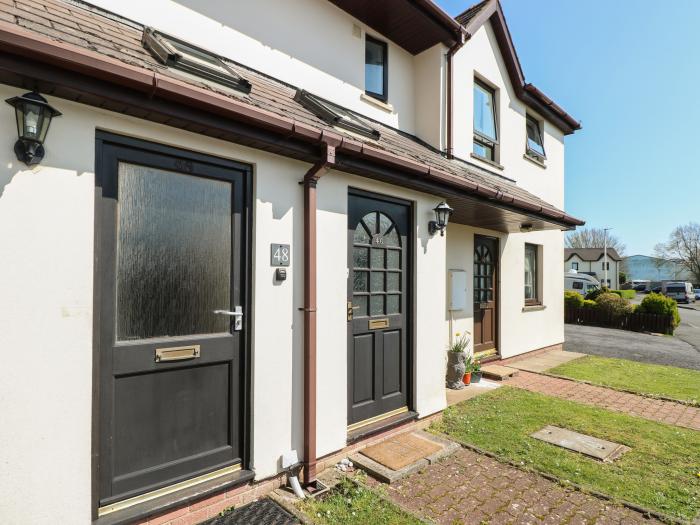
[
  {"x": 683, "y": 248},
  {"x": 594, "y": 238},
  {"x": 623, "y": 277}
]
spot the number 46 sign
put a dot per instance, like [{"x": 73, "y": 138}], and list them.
[{"x": 279, "y": 255}]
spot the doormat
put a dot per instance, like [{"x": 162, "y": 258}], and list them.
[
  {"x": 402, "y": 450},
  {"x": 262, "y": 512},
  {"x": 605, "y": 451}
]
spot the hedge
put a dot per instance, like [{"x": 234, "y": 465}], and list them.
[{"x": 625, "y": 294}]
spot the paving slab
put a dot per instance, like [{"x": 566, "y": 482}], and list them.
[
  {"x": 440, "y": 448},
  {"x": 400, "y": 451},
  {"x": 545, "y": 361},
  {"x": 498, "y": 372},
  {"x": 600, "y": 449}
]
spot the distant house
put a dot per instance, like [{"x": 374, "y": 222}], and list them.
[
  {"x": 644, "y": 267},
  {"x": 591, "y": 261}
]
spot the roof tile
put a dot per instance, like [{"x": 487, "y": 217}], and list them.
[{"x": 119, "y": 39}]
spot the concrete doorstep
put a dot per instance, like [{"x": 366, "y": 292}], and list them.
[{"x": 388, "y": 475}]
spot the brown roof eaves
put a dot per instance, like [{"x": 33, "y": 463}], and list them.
[
  {"x": 156, "y": 84},
  {"x": 475, "y": 17}
]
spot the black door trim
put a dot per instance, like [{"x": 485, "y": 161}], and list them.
[
  {"x": 184, "y": 156},
  {"x": 410, "y": 292}
]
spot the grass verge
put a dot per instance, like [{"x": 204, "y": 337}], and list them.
[
  {"x": 661, "y": 472},
  {"x": 656, "y": 380},
  {"x": 349, "y": 503}
]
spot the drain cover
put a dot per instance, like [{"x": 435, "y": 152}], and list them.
[
  {"x": 261, "y": 512},
  {"x": 599, "y": 449}
]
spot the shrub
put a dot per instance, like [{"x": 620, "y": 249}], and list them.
[
  {"x": 613, "y": 304},
  {"x": 573, "y": 299},
  {"x": 587, "y": 303},
  {"x": 593, "y": 294},
  {"x": 655, "y": 303},
  {"x": 625, "y": 294}
]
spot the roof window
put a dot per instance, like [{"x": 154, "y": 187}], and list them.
[
  {"x": 334, "y": 114},
  {"x": 178, "y": 54}
]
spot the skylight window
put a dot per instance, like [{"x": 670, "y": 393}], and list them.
[
  {"x": 190, "y": 59},
  {"x": 334, "y": 114}
]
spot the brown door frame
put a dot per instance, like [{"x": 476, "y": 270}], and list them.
[
  {"x": 182, "y": 156},
  {"x": 497, "y": 294}
]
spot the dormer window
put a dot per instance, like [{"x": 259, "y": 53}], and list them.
[
  {"x": 180, "y": 55},
  {"x": 535, "y": 142},
  {"x": 335, "y": 115},
  {"x": 485, "y": 125},
  {"x": 376, "y": 69}
]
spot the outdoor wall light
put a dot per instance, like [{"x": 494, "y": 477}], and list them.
[
  {"x": 442, "y": 217},
  {"x": 34, "y": 116}
]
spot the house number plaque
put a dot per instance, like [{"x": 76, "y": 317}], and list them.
[{"x": 280, "y": 255}]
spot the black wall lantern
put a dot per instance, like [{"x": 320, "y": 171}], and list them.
[
  {"x": 34, "y": 116},
  {"x": 442, "y": 217}
]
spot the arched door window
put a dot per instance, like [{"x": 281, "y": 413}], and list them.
[
  {"x": 483, "y": 274},
  {"x": 376, "y": 266}
]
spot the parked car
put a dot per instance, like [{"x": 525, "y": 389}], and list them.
[
  {"x": 697, "y": 294},
  {"x": 580, "y": 282},
  {"x": 640, "y": 287},
  {"x": 682, "y": 292}
]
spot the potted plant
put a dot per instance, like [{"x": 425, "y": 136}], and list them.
[
  {"x": 456, "y": 366},
  {"x": 468, "y": 368},
  {"x": 476, "y": 371}
]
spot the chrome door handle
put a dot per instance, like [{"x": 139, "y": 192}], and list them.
[
  {"x": 228, "y": 312},
  {"x": 237, "y": 314}
]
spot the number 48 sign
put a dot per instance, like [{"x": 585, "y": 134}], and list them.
[{"x": 279, "y": 255}]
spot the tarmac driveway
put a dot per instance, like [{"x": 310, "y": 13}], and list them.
[{"x": 607, "y": 342}]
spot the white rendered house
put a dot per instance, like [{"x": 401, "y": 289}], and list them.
[
  {"x": 594, "y": 262},
  {"x": 229, "y": 248}
]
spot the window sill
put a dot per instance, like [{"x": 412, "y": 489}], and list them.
[
  {"x": 535, "y": 161},
  {"x": 376, "y": 102},
  {"x": 533, "y": 307},
  {"x": 487, "y": 161}
]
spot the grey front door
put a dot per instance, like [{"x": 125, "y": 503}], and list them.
[
  {"x": 378, "y": 263},
  {"x": 171, "y": 229}
]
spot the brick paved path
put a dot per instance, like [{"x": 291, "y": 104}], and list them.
[
  {"x": 468, "y": 488},
  {"x": 654, "y": 409}
]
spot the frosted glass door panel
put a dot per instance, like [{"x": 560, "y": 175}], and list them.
[{"x": 173, "y": 253}]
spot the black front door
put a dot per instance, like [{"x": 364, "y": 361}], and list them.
[
  {"x": 171, "y": 277},
  {"x": 378, "y": 248}
]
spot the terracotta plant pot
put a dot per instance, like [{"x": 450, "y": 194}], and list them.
[{"x": 467, "y": 378}]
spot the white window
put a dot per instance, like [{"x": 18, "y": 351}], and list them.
[
  {"x": 531, "y": 274},
  {"x": 535, "y": 142},
  {"x": 485, "y": 128}
]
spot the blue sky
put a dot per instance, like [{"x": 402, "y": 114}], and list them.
[{"x": 630, "y": 71}]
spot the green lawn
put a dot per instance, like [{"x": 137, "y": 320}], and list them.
[
  {"x": 661, "y": 472},
  {"x": 352, "y": 504},
  {"x": 658, "y": 380}
]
